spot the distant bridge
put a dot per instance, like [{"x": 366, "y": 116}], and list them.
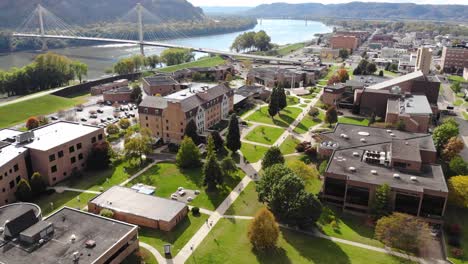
[{"x": 63, "y": 28}]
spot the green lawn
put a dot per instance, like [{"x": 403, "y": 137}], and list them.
[
  {"x": 292, "y": 100},
  {"x": 247, "y": 203},
  {"x": 264, "y": 134},
  {"x": 147, "y": 257},
  {"x": 228, "y": 243},
  {"x": 312, "y": 184},
  {"x": 289, "y": 145},
  {"x": 178, "y": 237},
  {"x": 350, "y": 227},
  {"x": 203, "y": 62},
  {"x": 166, "y": 177},
  {"x": 308, "y": 121},
  {"x": 458, "y": 102},
  {"x": 253, "y": 153},
  {"x": 456, "y": 78},
  {"x": 302, "y": 105},
  {"x": 465, "y": 115},
  {"x": 458, "y": 216},
  {"x": 353, "y": 120},
  {"x": 390, "y": 74},
  {"x": 285, "y": 50},
  {"x": 309, "y": 96},
  {"x": 283, "y": 119},
  {"x": 60, "y": 200},
  {"x": 16, "y": 113}
]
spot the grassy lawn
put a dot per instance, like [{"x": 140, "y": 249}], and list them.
[
  {"x": 285, "y": 50},
  {"x": 309, "y": 96},
  {"x": 283, "y": 119},
  {"x": 456, "y": 78},
  {"x": 203, "y": 62},
  {"x": 465, "y": 115},
  {"x": 353, "y": 120},
  {"x": 458, "y": 216},
  {"x": 302, "y": 105},
  {"x": 307, "y": 101},
  {"x": 458, "y": 102},
  {"x": 253, "y": 153},
  {"x": 289, "y": 145},
  {"x": 16, "y": 113},
  {"x": 166, "y": 177},
  {"x": 264, "y": 134},
  {"x": 60, "y": 200},
  {"x": 390, "y": 74},
  {"x": 178, "y": 237},
  {"x": 247, "y": 203},
  {"x": 308, "y": 121},
  {"x": 312, "y": 184},
  {"x": 292, "y": 100},
  {"x": 147, "y": 257},
  {"x": 349, "y": 227},
  {"x": 228, "y": 243}
]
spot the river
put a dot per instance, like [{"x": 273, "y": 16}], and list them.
[{"x": 101, "y": 57}]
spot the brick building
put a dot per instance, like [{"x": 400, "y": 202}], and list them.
[
  {"x": 168, "y": 116},
  {"x": 285, "y": 77},
  {"x": 454, "y": 59},
  {"x": 100, "y": 89},
  {"x": 363, "y": 158},
  {"x": 350, "y": 43},
  {"x": 12, "y": 170},
  {"x": 160, "y": 84},
  {"x": 123, "y": 94},
  {"x": 413, "y": 111},
  {"x": 144, "y": 210}
]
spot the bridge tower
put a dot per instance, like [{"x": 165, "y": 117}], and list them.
[
  {"x": 140, "y": 28},
  {"x": 41, "y": 24}
]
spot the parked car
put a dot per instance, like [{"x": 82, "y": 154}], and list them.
[
  {"x": 189, "y": 199},
  {"x": 109, "y": 118},
  {"x": 83, "y": 119},
  {"x": 174, "y": 196},
  {"x": 180, "y": 189},
  {"x": 103, "y": 120},
  {"x": 54, "y": 118},
  {"x": 181, "y": 193},
  {"x": 100, "y": 111},
  {"x": 79, "y": 109}
]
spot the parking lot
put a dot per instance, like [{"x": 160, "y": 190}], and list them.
[{"x": 184, "y": 195}]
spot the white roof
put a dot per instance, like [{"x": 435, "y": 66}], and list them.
[
  {"x": 397, "y": 80},
  {"x": 53, "y": 135},
  {"x": 193, "y": 89},
  {"x": 417, "y": 104},
  {"x": 9, "y": 153},
  {"x": 8, "y": 133}
]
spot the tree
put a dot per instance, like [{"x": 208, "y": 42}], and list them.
[
  {"x": 228, "y": 78},
  {"x": 233, "y": 135},
  {"x": 112, "y": 129},
  {"x": 152, "y": 61},
  {"x": 124, "y": 66},
  {"x": 331, "y": 116},
  {"x": 191, "y": 131},
  {"x": 99, "y": 157},
  {"x": 343, "y": 75},
  {"x": 456, "y": 87},
  {"x": 188, "y": 155},
  {"x": 274, "y": 105},
  {"x": 23, "y": 191},
  {"x": 371, "y": 68},
  {"x": 272, "y": 156},
  {"x": 32, "y": 123},
  {"x": 402, "y": 231},
  {"x": 174, "y": 56},
  {"x": 136, "y": 95},
  {"x": 304, "y": 171},
  {"x": 443, "y": 133},
  {"x": 282, "y": 99},
  {"x": 106, "y": 213},
  {"x": 334, "y": 79},
  {"x": 458, "y": 191},
  {"x": 124, "y": 123},
  {"x": 79, "y": 69},
  {"x": 343, "y": 53},
  {"x": 381, "y": 73},
  {"x": 218, "y": 140},
  {"x": 213, "y": 175},
  {"x": 263, "y": 230},
  {"x": 270, "y": 177},
  {"x": 38, "y": 185},
  {"x": 210, "y": 146},
  {"x": 228, "y": 165},
  {"x": 380, "y": 205},
  {"x": 458, "y": 166},
  {"x": 453, "y": 147},
  {"x": 262, "y": 41},
  {"x": 138, "y": 146}
]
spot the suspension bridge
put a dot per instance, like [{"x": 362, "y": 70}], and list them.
[{"x": 44, "y": 25}]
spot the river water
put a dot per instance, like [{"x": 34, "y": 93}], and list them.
[{"x": 102, "y": 57}]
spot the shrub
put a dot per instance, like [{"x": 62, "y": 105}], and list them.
[
  {"x": 314, "y": 111},
  {"x": 106, "y": 213},
  {"x": 112, "y": 129},
  {"x": 457, "y": 252},
  {"x": 33, "y": 122},
  {"x": 124, "y": 123},
  {"x": 323, "y": 167},
  {"x": 174, "y": 148},
  {"x": 311, "y": 152},
  {"x": 196, "y": 211},
  {"x": 300, "y": 147}
]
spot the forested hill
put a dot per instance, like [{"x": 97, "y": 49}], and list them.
[
  {"x": 363, "y": 11},
  {"x": 81, "y": 12}
]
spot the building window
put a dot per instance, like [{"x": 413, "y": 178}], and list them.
[
  {"x": 3, "y": 190},
  {"x": 54, "y": 179},
  {"x": 16, "y": 167},
  {"x": 99, "y": 137},
  {"x": 51, "y": 157},
  {"x": 167, "y": 128},
  {"x": 18, "y": 179},
  {"x": 167, "y": 121},
  {"x": 12, "y": 184},
  {"x": 73, "y": 159},
  {"x": 147, "y": 125},
  {"x": 146, "y": 117},
  {"x": 71, "y": 149},
  {"x": 79, "y": 146},
  {"x": 60, "y": 154},
  {"x": 53, "y": 168},
  {"x": 80, "y": 156},
  {"x": 93, "y": 140}
]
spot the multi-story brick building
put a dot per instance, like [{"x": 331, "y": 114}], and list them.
[
  {"x": 160, "y": 84},
  {"x": 123, "y": 94},
  {"x": 100, "y": 89},
  {"x": 168, "y": 116},
  {"x": 285, "y": 77},
  {"x": 424, "y": 60},
  {"x": 350, "y": 43},
  {"x": 364, "y": 158},
  {"x": 454, "y": 59},
  {"x": 12, "y": 170}
]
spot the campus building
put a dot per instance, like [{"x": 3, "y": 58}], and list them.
[
  {"x": 168, "y": 116},
  {"x": 66, "y": 236},
  {"x": 100, "y": 89},
  {"x": 364, "y": 158},
  {"x": 350, "y": 43},
  {"x": 424, "y": 60},
  {"x": 123, "y": 94},
  {"x": 144, "y": 210},
  {"x": 286, "y": 77},
  {"x": 454, "y": 59},
  {"x": 160, "y": 84},
  {"x": 55, "y": 151}
]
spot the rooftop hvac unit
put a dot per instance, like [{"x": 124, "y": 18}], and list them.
[
  {"x": 352, "y": 169},
  {"x": 363, "y": 140},
  {"x": 356, "y": 154},
  {"x": 374, "y": 172},
  {"x": 414, "y": 178},
  {"x": 25, "y": 137},
  {"x": 396, "y": 176}
]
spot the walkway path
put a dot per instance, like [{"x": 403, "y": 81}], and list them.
[
  {"x": 155, "y": 253},
  {"x": 60, "y": 189},
  {"x": 139, "y": 173}
]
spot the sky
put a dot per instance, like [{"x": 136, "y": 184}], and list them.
[{"x": 258, "y": 2}]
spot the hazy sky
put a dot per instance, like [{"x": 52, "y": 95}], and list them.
[{"x": 258, "y": 2}]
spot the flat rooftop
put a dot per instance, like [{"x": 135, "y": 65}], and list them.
[
  {"x": 127, "y": 200},
  {"x": 8, "y": 152},
  {"x": 56, "y": 134},
  {"x": 397, "y": 80},
  {"x": 193, "y": 89},
  {"x": 7, "y": 134},
  {"x": 67, "y": 222},
  {"x": 413, "y": 105},
  {"x": 10, "y": 211}
]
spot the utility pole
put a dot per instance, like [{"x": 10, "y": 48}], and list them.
[
  {"x": 140, "y": 28},
  {"x": 41, "y": 24}
]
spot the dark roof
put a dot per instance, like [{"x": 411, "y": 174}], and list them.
[
  {"x": 160, "y": 79},
  {"x": 120, "y": 90},
  {"x": 154, "y": 102},
  {"x": 406, "y": 150},
  {"x": 23, "y": 220}
]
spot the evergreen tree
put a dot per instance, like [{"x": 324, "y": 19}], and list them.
[
  {"x": 233, "y": 136},
  {"x": 380, "y": 205},
  {"x": 218, "y": 140},
  {"x": 38, "y": 185},
  {"x": 188, "y": 155},
  {"x": 212, "y": 173},
  {"x": 228, "y": 165},
  {"x": 191, "y": 131},
  {"x": 272, "y": 156},
  {"x": 282, "y": 99},
  {"x": 210, "y": 146},
  {"x": 273, "y": 105},
  {"x": 23, "y": 191},
  {"x": 331, "y": 116}
]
